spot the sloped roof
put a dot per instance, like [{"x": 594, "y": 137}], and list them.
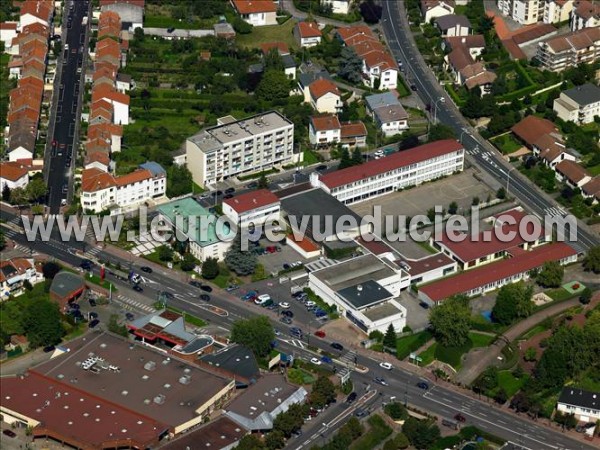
[
  {"x": 531, "y": 128},
  {"x": 353, "y": 129},
  {"x": 452, "y": 20},
  {"x": 254, "y": 6},
  {"x": 572, "y": 171},
  {"x": 324, "y": 123},
  {"x": 251, "y": 200},
  {"x": 13, "y": 171},
  {"x": 308, "y": 29},
  {"x": 321, "y": 87}
]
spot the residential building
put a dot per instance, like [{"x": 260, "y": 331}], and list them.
[
  {"x": 305, "y": 79},
  {"x": 289, "y": 66},
  {"x": 263, "y": 401},
  {"x": 252, "y": 208},
  {"x": 572, "y": 174},
  {"x": 396, "y": 171},
  {"x": 585, "y": 405},
  {"x": 206, "y": 236},
  {"x": 363, "y": 290},
  {"x": 585, "y": 14},
  {"x": 236, "y": 147},
  {"x": 325, "y": 96},
  {"x": 453, "y": 25},
  {"x": 110, "y": 133},
  {"x": 526, "y": 12},
  {"x": 101, "y": 191},
  {"x": 8, "y": 31},
  {"x": 388, "y": 114},
  {"x": 324, "y": 130},
  {"x": 568, "y": 50},
  {"x": 36, "y": 11},
  {"x": 474, "y": 43},
  {"x": 13, "y": 275},
  {"x": 338, "y": 6},
  {"x": 131, "y": 12},
  {"x": 592, "y": 190},
  {"x": 307, "y": 34},
  {"x": 281, "y": 47},
  {"x": 432, "y": 9},
  {"x": 466, "y": 71},
  {"x": 257, "y": 12},
  {"x": 353, "y": 134},
  {"x": 495, "y": 275},
  {"x": 580, "y": 104},
  {"x": 119, "y": 101},
  {"x": 14, "y": 175},
  {"x": 557, "y": 11},
  {"x": 224, "y": 30}
]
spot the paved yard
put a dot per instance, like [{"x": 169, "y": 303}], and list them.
[
  {"x": 417, "y": 317},
  {"x": 273, "y": 262}
]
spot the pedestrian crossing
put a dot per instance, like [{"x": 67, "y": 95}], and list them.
[
  {"x": 555, "y": 211},
  {"x": 10, "y": 233},
  {"x": 349, "y": 358},
  {"x": 133, "y": 304},
  {"x": 93, "y": 251}
]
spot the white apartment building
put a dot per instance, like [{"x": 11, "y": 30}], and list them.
[
  {"x": 380, "y": 67},
  {"x": 396, "y": 171},
  {"x": 324, "y": 130},
  {"x": 252, "y": 208},
  {"x": 579, "y": 104},
  {"x": 525, "y": 12},
  {"x": 568, "y": 50},
  {"x": 556, "y": 11},
  {"x": 338, "y": 6},
  {"x": 585, "y": 14},
  {"x": 101, "y": 190},
  {"x": 235, "y": 147},
  {"x": 585, "y": 405}
]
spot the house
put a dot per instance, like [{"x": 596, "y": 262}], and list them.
[
  {"x": 281, "y": 47},
  {"x": 353, "y": 134},
  {"x": 252, "y": 208},
  {"x": 580, "y": 104},
  {"x": 572, "y": 174},
  {"x": 432, "y": 9},
  {"x": 13, "y": 275},
  {"x": 97, "y": 159},
  {"x": 585, "y": 14},
  {"x": 224, "y": 30},
  {"x": 568, "y": 50},
  {"x": 585, "y": 405},
  {"x": 338, "y": 6},
  {"x": 325, "y": 96},
  {"x": 8, "y": 31},
  {"x": 453, "y": 25},
  {"x": 108, "y": 132},
  {"x": 21, "y": 145},
  {"x": 33, "y": 11},
  {"x": 591, "y": 190},
  {"x": 307, "y": 34},
  {"x": 305, "y": 79},
  {"x": 467, "y": 71},
  {"x": 13, "y": 175},
  {"x": 289, "y": 66},
  {"x": 257, "y": 12},
  {"x": 324, "y": 130},
  {"x": 235, "y": 361},
  {"x": 109, "y": 51},
  {"x": 118, "y": 100},
  {"x": 124, "y": 83},
  {"x": 474, "y": 43},
  {"x": 131, "y": 12},
  {"x": 387, "y": 112},
  {"x": 556, "y": 11},
  {"x": 109, "y": 25}
]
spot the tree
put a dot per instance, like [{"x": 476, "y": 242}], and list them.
[
  {"x": 530, "y": 354},
  {"x": 350, "y": 66},
  {"x": 592, "y": 260},
  {"x": 501, "y": 193},
  {"x": 396, "y": 411},
  {"x": 501, "y": 396},
  {"x": 241, "y": 26},
  {"x": 290, "y": 421},
  {"x": 188, "y": 262},
  {"x": 452, "y": 208},
  {"x": 42, "y": 322},
  {"x": 179, "y": 181},
  {"x": 251, "y": 442},
  {"x": 520, "y": 402},
  {"x": 275, "y": 440},
  {"x": 439, "y": 132},
  {"x": 551, "y": 275},
  {"x": 115, "y": 327},
  {"x": 584, "y": 298},
  {"x": 475, "y": 201},
  {"x": 50, "y": 269},
  {"x": 371, "y": 11},
  {"x": 323, "y": 392},
  {"x": 5, "y": 193},
  {"x": 389, "y": 340},
  {"x": 357, "y": 158},
  {"x": 263, "y": 182},
  {"x": 18, "y": 196},
  {"x": 345, "y": 160},
  {"x": 165, "y": 253},
  {"x": 255, "y": 333},
  {"x": 210, "y": 268},
  {"x": 513, "y": 302},
  {"x": 421, "y": 433},
  {"x": 272, "y": 60},
  {"x": 241, "y": 262},
  {"x": 451, "y": 322},
  {"x": 138, "y": 34},
  {"x": 274, "y": 85}
]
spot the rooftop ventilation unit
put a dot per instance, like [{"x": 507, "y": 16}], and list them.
[
  {"x": 160, "y": 399},
  {"x": 186, "y": 379},
  {"x": 150, "y": 365}
]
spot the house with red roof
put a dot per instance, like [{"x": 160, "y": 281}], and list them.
[
  {"x": 40, "y": 11},
  {"x": 396, "y": 171},
  {"x": 325, "y": 97},
  {"x": 324, "y": 130},
  {"x": 256, "y": 12},
  {"x": 118, "y": 100},
  {"x": 131, "y": 12},
  {"x": 13, "y": 174},
  {"x": 13, "y": 274},
  {"x": 307, "y": 34},
  {"x": 591, "y": 190},
  {"x": 255, "y": 207},
  {"x": 572, "y": 174},
  {"x": 585, "y": 14}
]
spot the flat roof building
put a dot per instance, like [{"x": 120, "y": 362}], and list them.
[{"x": 220, "y": 434}]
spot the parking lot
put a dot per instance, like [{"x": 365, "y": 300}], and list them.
[{"x": 273, "y": 262}]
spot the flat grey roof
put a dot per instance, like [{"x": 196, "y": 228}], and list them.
[
  {"x": 215, "y": 435},
  {"x": 236, "y": 359},
  {"x": 585, "y": 94},
  {"x": 354, "y": 271},
  {"x": 263, "y": 396},
  {"x": 362, "y": 295},
  {"x": 381, "y": 312},
  {"x": 65, "y": 283},
  {"x": 390, "y": 113}
]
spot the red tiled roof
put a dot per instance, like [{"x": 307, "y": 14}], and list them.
[
  {"x": 308, "y": 29},
  {"x": 531, "y": 128},
  {"x": 13, "y": 171},
  {"x": 532, "y": 32},
  {"x": 472, "y": 279},
  {"x": 281, "y": 47},
  {"x": 304, "y": 243},
  {"x": 592, "y": 187},
  {"x": 348, "y": 33},
  {"x": 100, "y": 157},
  {"x": 471, "y": 41},
  {"x": 39, "y": 9},
  {"x": 353, "y": 129},
  {"x": 377, "y": 247},
  {"x": 573, "y": 171},
  {"x": 586, "y": 9},
  {"x": 93, "y": 180},
  {"x": 321, "y": 87},
  {"x": 133, "y": 177},
  {"x": 323, "y": 123},
  {"x": 391, "y": 162},
  {"x": 106, "y": 92},
  {"x": 254, "y": 6},
  {"x": 251, "y": 200},
  {"x": 8, "y": 25}
]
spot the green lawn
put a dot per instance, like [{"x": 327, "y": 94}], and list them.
[
  {"x": 453, "y": 355},
  {"x": 480, "y": 340},
  {"x": 535, "y": 330},
  {"x": 272, "y": 33},
  {"x": 509, "y": 383},
  {"x": 594, "y": 170},
  {"x": 506, "y": 143},
  {"x": 428, "y": 355},
  {"x": 95, "y": 279},
  {"x": 310, "y": 158},
  {"x": 153, "y": 21},
  {"x": 402, "y": 88},
  {"x": 559, "y": 294},
  {"x": 299, "y": 376},
  {"x": 189, "y": 318},
  {"x": 408, "y": 344}
]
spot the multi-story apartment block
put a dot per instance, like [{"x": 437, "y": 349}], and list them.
[
  {"x": 235, "y": 147},
  {"x": 396, "y": 171},
  {"x": 556, "y": 11},
  {"x": 523, "y": 11},
  {"x": 585, "y": 14},
  {"x": 580, "y": 104},
  {"x": 568, "y": 50}
]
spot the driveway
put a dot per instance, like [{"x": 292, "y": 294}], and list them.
[{"x": 288, "y": 5}]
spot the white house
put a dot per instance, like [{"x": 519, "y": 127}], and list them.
[
  {"x": 585, "y": 405},
  {"x": 14, "y": 273},
  {"x": 307, "y": 34},
  {"x": 8, "y": 31},
  {"x": 338, "y": 6},
  {"x": 36, "y": 11},
  {"x": 387, "y": 112},
  {"x": 325, "y": 96},
  {"x": 579, "y": 104},
  {"x": 19, "y": 153},
  {"x": 252, "y": 208},
  {"x": 324, "y": 130},
  {"x": 432, "y": 9},
  {"x": 380, "y": 70},
  {"x": 13, "y": 175},
  {"x": 591, "y": 190},
  {"x": 453, "y": 25},
  {"x": 257, "y": 12},
  {"x": 118, "y": 100},
  {"x": 572, "y": 174}
]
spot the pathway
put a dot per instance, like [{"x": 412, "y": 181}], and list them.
[{"x": 288, "y": 5}]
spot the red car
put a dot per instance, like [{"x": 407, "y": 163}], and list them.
[
  {"x": 320, "y": 333},
  {"x": 460, "y": 418}
]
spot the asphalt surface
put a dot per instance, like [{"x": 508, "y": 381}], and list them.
[
  {"x": 402, "y": 384},
  {"x": 479, "y": 151},
  {"x": 63, "y": 139}
]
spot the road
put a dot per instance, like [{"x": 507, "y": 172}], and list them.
[
  {"x": 440, "y": 400},
  {"x": 63, "y": 137},
  {"x": 479, "y": 151}
]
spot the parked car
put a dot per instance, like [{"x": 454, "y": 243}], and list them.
[
  {"x": 204, "y": 297},
  {"x": 230, "y": 190},
  {"x": 351, "y": 398},
  {"x": 92, "y": 302},
  {"x": 206, "y": 288},
  {"x": 129, "y": 316},
  {"x": 49, "y": 348},
  {"x": 94, "y": 323},
  {"x": 321, "y": 168},
  {"x": 93, "y": 315},
  {"x": 146, "y": 269},
  {"x": 286, "y": 320},
  {"x": 286, "y": 266},
  {"x": 337, "y": 346},
  {"x": 195, "y": 284},
  {"x": 250, "y": 295},
  {"x": 287, "y": 313},
  {"x": 284, "y": 305},
  {"x": 326, "y": 360},
  {"x": 296, "y": 331},
  {"x": 460, "y": 418},
  {"x": 9, "y": 433},
  {"x": 232, "y": 287},
  {"x": 320, "y": 333},
  {"x": 423, "y": 385},
  {"x": 138, "y": 288},
  {"x": 380, "y": 380},
  {"x": 228, "y": 196}
]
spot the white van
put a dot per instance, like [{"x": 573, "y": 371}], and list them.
[{"x": 262, "y": 299}]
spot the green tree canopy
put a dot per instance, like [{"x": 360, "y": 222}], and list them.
[
  {"x": 42, "y": 322},
  {"x": 350, "y": 67},
  {"x": 256, "y": 333},
  {"x": 551, "y": 275},
  {"x": 591, "y": 261},
  {"x": 323, "y": 392},
  {"x": 451, "y": 322},
  {"x": 210, "y": 268},
  {"x": 241, "y": 262},
  {"x": 389, "y": 340},
  {"x": 421, "y": 433},
  {"x": 273, "y": 85},
  {"x": 513, "y": 302}
]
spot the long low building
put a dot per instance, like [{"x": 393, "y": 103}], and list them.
[
  {"x": 396, "y": 171},
  {"x": 495, "y": 275}
]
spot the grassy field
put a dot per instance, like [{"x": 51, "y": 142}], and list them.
[
  {"x": 453, "y": 355},
  {"x": 428, "y": 355},
  {"x": 409, "y": 344},
  {"x": 480, "y": 340},
  {"x": 377, "y": 433},
  {"x": 300, "y": 376},
  {"x": 509, "y": 383},
  {"x": 272, "y": 33},
  {"x": 310, "y": 158},
  {"x": 559, "y": 294},
  {"x": 506, "y": 143}
]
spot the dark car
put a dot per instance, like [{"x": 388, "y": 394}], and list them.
[
  {"x": 196, "y": 284},
  {"x": 93, "y": 315},
  {"x": 92, "y": 302},
  {"x": 94, "y": 323},
  {"x": 206, "y": 288},
  {"x": 460, "y": 418},
  {"x": 167, "y": 295},
  {"x": 230, "y": 190},
  {"x": 252, "y": 185},
  {"x": 321, "y": 168},
  {"x": 413, "y": 87},
  {"x": 170, "y": 30},
  {"x": 337, "y": 346},
  {"x": 138, "y": 288},
  {"x": 286, "y": 320},
  {"x": 351, "y": 398},
  {"x": 86, "y": 264},
  {"x": 49, "y": 348},
  {"x": 422, "y": 385},
  {"x": 361, "y": 413},
  {"x": 380, "y": 380},
  {"x": 146, "y": 269},
  {"x": 205, "y": 297},
  {"x": 9, "y": 433},
  {"x": 424, "y": 305},
  {"x": 129, "y": 316},
  {"x": 286, "y": 266},
  {"x": 296, "y": 332},
  {"x": 287, "y": 313},
  {"x": 228, "y": 196},
  {"x": 232, "y": 287}
]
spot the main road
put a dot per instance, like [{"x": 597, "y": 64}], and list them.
[
  {"x": 479, "y": 151},
  {"x": 61, "y": 150},
  {"x": 440, "y": 400}
]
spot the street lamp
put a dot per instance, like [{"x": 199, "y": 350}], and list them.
[{"x": 441, "y": 99}]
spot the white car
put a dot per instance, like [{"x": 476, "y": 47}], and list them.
[
  {"x": 309, "y": 303},
  {"x": 284, "y": 305},
  {"x": 386, "y": 365},
  {"x": 315, "y": 361}
]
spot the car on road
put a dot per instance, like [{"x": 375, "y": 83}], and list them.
[
  {"x": 138, "y": 288},
  {"x": 320, "y": 333},
  {"x": 297, "y": 331},
  {"x": 361, "y": 413},
  {"x": 93, "y": 315},
  {"x": 380, "y": 380},
  {"x": 321, "y": 168},
  {"x": 195, "y": 284},
  {"x": 413, "y": 87},
  {"x": 287, "y": 313},
  {"x": 252, "y": 185},
  {"x": 351, "y": 398},
  {"x": 94, "y": 323},
  {"x": 423, "y": 385},
  {"x": 230, "y": 190},
  {"x": 9, "y": 433},
  {"x": 129, "y": 316},
  {"x": 146, "y": 269},
  {"x": 286, "y": 320},
  {"x": 92, "y": 302},
  {"x": 284, "y": 305},
  {"x": 206, "y": 288},
  {"x": 86, "y": 264},
  {"x": 460, "y": 418},
  {"x": 250, "y": 295},
  {"x": 167, "y": 295},
  {"x": 228, "y": 196},
  {"x": 204, "y": 297},
  {"x": 315, "y": 361},
  {"x": 386, "y": 365},
  {"x": 326, "y": 360},
  {"x": 339, "y": 347}
]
